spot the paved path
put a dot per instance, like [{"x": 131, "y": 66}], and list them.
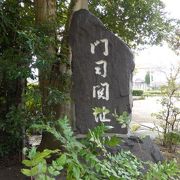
[
  {"x": 142, "y": 115},
  {"x": 142, "y": 110}
]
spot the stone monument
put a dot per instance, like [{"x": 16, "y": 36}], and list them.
[{"x": 102, "y": 66}]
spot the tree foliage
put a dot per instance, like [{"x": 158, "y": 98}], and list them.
[
  {"x": 15, "y": 60},
  {"x": 136, "y": 22},
  {"x": 173, "y": 38}
]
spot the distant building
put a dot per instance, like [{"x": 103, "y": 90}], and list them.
[
  {"x": 139, "y": 84},
  {"x": 157, "y": 78}
]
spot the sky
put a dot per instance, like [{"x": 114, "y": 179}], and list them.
[
  {"x": 172, "y": 6},
  {"x": 158, "y": 57}
]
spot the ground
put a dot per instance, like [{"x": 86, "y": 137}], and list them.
[
  {"x": 10, "y": 168},
  {"x": 142, "y": 115},
  {"x": 142, "y": 110}
]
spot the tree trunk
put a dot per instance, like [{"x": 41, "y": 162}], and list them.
[
  {"x": 45, "y": 21},
  {"x": 54, "y": 78},
  {"x": 45, "y": 14},
  {"x": 80, "y": 4}
]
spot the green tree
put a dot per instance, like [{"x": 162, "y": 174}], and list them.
[
  {"x": 15, "y": 59},
  {"x": 136, "y": 22},
  {"x": 173, "y": 38},
  {"x": 147, "y": 78}
]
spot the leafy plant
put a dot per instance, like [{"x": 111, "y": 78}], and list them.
[
  {"x": 12, "y": 132},
  {"x": 86, "y": 159},
  {"x": 125, "y": 164},
  {"x": 37, "y": 166},
  {"x": 170, "y": 113},
  {"x": 55, "y": 97},
  {"x": 172, "y": 139},
  {"x": 97, "y": 139},
  {"x": 19, "y": 119},
  {"x": 165, "y": 171},
  {"x": 135, "y": 127},
  {"x": 123, "y": 118}
]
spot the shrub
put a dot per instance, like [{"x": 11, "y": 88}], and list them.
[
  {"x": 85, "y": 159},
  {"x": 172, "y": 139},
  {"x": 89, "y": 159},
  {"x": 153, "y": 93},
  {"x": 163, "y": 171},
  {"x": 137, "y": 92},
  {"x": 11, "y": 132},
  {"x": 170, "y": 113}
]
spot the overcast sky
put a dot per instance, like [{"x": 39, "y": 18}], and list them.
[
  {"x": 172, "y": 6},
  {"x": 157, "y": 56}
]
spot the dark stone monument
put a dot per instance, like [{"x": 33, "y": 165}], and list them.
[{"x": 102, "y": 65}]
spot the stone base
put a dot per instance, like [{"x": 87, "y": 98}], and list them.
[{"x": 143, "y": 148}]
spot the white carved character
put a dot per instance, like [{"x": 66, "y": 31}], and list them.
[
  {"x": 96, "y": 43},
  {"x": 101, "y": 91},
  {"x": 102, "y": 71},
  {"x": 101, "y": 117}
]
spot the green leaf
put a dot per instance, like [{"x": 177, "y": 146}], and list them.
[
  {"x": 26, "y": 172},
  {"x": 32, "y": 153},
  {"x": 52, "y": 171},
  {"x": 42, "y": 167},
  {"x": 56, "y": 166},
  {"x": 34, "y": 171},
  {"x": 30, "y": 172},
  {"x": 27, "y": 163},
  {"x": 40, "y": 156},
  {"x": 113, "y": 141},
  {"x": 61, "y": 160},
  {"x": 76, "y": 172}
]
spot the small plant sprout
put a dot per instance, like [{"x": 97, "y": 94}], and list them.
[{"x": 135, "y": 127}]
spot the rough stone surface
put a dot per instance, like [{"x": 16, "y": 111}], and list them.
[
  {"x": 143, "y": 149},
  {"x": 88, "y": 38}
]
